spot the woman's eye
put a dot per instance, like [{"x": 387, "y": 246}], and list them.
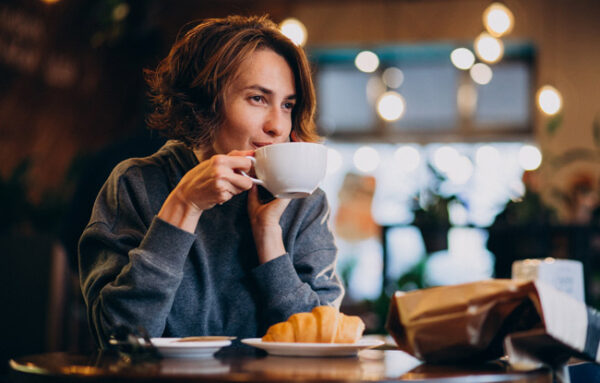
[
  {"x": 256, "y": 98},
  {"x": 289, "y": 105}
]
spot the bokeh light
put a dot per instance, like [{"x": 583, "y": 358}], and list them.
[
  {"x": 391, "y": 106},
  {"x": 393, "y": 77},
  {"x": 460, "y": 170},
  {"x": 120, "y": 12},
  {"x": 444, "y": 157},
  {"x": 334, "y": 161},
  {"x": 481, "y": 73},
  {"x": 366, "y": 159},
  {"x": 498, "y": 19},
  {"x": 487, "y": 157},
  {"x": 366, "y": 61},
  {"x": 530, "y": 157},
  {"x": 407, "y": 158},
  {"x": 294, "y": 30},
  {"x": 549, "y": 100},
  {"x": 375, "y": 88},
  {"x": 488, "y": 48},
  {"x": 462, "y": 58}
]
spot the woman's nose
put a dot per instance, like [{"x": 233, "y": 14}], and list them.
[{"x": 276, "y": 123}]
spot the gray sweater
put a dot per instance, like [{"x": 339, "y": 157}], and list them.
[{"x": 137, "y": 269}]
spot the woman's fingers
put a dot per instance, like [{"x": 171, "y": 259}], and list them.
[
  {"x": 230, "y": 162},
  {"x": 253, "y": 202},
  {"x": 265, "y": 214},
  {"x": 278, "y": 206}
]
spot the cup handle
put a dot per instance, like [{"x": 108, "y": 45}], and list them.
[{"x": 255, "y": 180}]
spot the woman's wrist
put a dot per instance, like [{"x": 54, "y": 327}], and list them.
[
  {"x": 177, "y": 211},
  {"x": 269, "y": 243}
]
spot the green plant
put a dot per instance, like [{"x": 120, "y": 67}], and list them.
[
  {"x": 430, "y": 207},
  {"x": 556, "y": 161},
  {"x": 434, "y": 213}
]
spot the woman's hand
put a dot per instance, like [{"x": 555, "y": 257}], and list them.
[
  {"x": 211, "y": 182},
  {"x": 264, "y": 219}
]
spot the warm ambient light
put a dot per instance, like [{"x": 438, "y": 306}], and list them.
[
  {"x": 481, "y": 73},
  {"x": 294, "y": 30},
  {"x": 549, "y": 100},
  {"x": 120, "y": 12},
  {"x": 488, "y": 48},
  {"x": 530, "y": 157},
  {"x": 391, "y": 106},
  {"x": 462, "y": 58},
  {"x": 366, "y": 61},
  {"x": 366, "y": 159},
  {"x": 498, "y": 19}
]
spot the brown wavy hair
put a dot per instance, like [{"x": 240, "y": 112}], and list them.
[{"x": 188, "y": 86}]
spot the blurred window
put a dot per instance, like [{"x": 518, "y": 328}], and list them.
[
  {"x": 442, "y": 101},
  {"x": 505, "y": 99},
  {"x": 343, "y": 99}
]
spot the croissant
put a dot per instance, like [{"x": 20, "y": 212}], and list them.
[{"x": 324, "y": 324}]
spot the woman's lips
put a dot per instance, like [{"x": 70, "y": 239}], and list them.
[{"x": 261, "y": 144}]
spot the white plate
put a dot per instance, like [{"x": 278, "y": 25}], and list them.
[
  {"x": 313, "y": 349},
  {"x": 171, "y": 348}
]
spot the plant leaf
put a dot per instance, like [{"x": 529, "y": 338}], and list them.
[{"x": 554, "y": 123}]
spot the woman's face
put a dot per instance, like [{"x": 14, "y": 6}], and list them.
[{"x": 257, "y": 104}]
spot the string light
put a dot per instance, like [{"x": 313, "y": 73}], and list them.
[
  {"x": 498, "y": 19},
  {"x": 294, "y": 30},
  {"x": 488, "y": 48},
  {"x": 481, "y": 73},
  {"x": 530, "y": 157},
  {"x": 462, "y": 58},
  {"x": 366, "y": 61},
  {"x": 549, "y": 100},
  {"x": 391, "y": 106}
]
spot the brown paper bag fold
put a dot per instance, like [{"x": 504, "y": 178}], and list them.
[{"x": 462, "y": 323}]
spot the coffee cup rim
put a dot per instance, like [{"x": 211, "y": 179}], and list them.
[{"x": 291, "y": 143}]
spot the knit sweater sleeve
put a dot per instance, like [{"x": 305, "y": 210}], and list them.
[
  {"x": 131, "y": 262},
  {"x": 305, "y": 276}
]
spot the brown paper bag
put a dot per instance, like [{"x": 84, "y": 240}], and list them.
[
  {"x": 531, "y": 322},
  {"x": 466, "y": 322}
]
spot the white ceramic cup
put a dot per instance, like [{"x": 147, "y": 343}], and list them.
[{"x": 291, "y": 169}]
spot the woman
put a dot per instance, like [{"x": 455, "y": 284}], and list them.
[{"x": 180, "y": 242}]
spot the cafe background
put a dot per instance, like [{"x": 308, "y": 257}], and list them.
[{"x": 471, "y": 176}]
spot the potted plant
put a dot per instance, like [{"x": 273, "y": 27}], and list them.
[{"x": 431, "y": 213}]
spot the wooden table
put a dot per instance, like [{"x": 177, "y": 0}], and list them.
[{"x": 368, "y": 366}]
